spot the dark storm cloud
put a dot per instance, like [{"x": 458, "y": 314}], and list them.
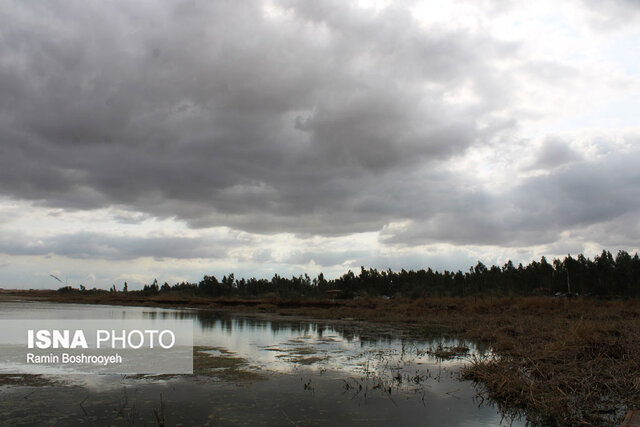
[
  {"x": 324, "y": 119},
  {"x": 554, "y": 152},
  {"x": 584, "y": 193},
  {"x": 86, "y": 245},
  {"x": 598, "y": 199},
  {"x": 215, "y": 113}
]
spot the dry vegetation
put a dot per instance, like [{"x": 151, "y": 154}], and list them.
[
  {"x": 224, "y": 365},
  {"x": 27, "y": 380},
  {"x": 560, "y": 361}
]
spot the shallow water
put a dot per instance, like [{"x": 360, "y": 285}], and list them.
[{"x": 276, "y": 371}]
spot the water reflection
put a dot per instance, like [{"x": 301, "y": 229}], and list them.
[
  {"x": 283, "y": 345},
  {"x": 313, "y": 372}
]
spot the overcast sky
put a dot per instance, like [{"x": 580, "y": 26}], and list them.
[{"x": 172, "y": 139}]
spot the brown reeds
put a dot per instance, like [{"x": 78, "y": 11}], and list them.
[{"x": 576, "y": 363}]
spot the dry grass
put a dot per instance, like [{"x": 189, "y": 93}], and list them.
[
  {"x": 448, "y": 353},
  {"x": 27, "y": 380},
  {"x": 224, "y": 366},
  {"x": 570, "y": 363}
]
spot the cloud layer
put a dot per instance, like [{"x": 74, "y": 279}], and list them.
[
  {"x": 224, "y": 115},
  {"x": 316, "y": 119}
]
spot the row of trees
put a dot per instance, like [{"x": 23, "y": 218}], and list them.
[{"x": 605, "y": 275}]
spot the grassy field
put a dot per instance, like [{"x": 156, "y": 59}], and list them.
[{"x": 560, "y": 361}]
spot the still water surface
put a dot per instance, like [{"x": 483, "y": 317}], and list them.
[{"x": 274, "y": 371}]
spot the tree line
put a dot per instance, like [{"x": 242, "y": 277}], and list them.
[{"x": 604, "y": 276}]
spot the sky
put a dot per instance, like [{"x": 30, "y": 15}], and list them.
[{"x": 169, "y": 140}]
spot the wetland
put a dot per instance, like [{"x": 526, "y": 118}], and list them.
[{"x": 260, "y": 369}]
